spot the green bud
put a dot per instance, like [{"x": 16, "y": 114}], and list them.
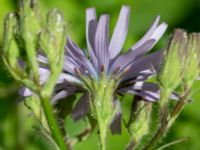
[
  {"x": 191, "y": 69},
  {"x": 29, "y": 27},
  {"x": 29, "y": 20},
  {"x": 140, "y": 126},
  {"x": 10, "y": 48},
  {"x": 52, "y": 40},
  {"x": 172, "y": 71},
  {"x": 33, "y": 103},
  {"x": 56, "y": 23}
]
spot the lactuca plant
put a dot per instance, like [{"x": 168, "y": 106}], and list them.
[
  {"x": 35, "y": 53},
  {"x": 107, "y": 73},
  {"x": 26, "y": 35}
]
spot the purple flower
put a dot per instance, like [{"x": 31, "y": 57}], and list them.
[{"x": 129, "y": 70}]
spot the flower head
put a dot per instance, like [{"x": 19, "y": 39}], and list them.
[
  {"x": 106, "y": 66},
  {"x": 105, "y": 60}
]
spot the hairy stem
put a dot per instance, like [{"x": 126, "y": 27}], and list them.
[
  {"x": 103, "y": 108},
  {"x": 55, "y": 131},
  {"x": 168, "y": 119},
  {"x": 132, "y": 144},
  {"x": 163, "y": 121},
  {"x": 159, "y": 133},
  {"x": 102, "y": 136}
]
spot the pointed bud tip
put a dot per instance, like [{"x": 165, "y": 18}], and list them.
[{"x": 180, "y": 36}]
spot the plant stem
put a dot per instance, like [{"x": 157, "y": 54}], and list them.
[
  {"x": 179, "y": 106},
  {"x": 102, "y": 136},
  {"x": 103, "y": 108},
  {"x": 161, "y": 130},
  {"x": 55, "y": 131},
  {"x": 167, "y": 119},
  {"x": 173, "y": 143},
  {"x": 132, "y": 144},
  {"x": 134, "y": 108},
  {"x": 163, "y": 122}
]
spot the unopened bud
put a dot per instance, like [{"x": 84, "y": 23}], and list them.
[
  {"x": 10, "y": 48},
  {"x": 29, "y": 20},
  {"x": 192, "y": 62},
  {"x": 140, "y": 126},
  {"x": 172, "y": 71},
  {"x": 55, "y": 22},
  {"x": 52, "y": 39}
]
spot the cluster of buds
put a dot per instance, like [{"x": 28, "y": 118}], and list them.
[
  {"x": 181, "y": 64},
  {"x": 192, "y": 61},
  {"x": 26, "y": 37},
  {"x": 181, "y": 67}
]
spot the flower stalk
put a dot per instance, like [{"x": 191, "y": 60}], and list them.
[
  {"x": 169, "y": 78},
  {"x": 139, "y": 126},
  {"x": 102, "y": 107},
  {"x": 52, "y": 123}
]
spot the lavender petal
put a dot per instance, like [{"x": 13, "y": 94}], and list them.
[
  {"x": 82, "y": 107},
  {"x": 120, "y": 32},
  {"x": 25, "y": 92},
  {"x": 91, "y": 26},
  {"x": 149, "y": 62},
  {"x": 60, "y": 95},
  {"x": 148, "y": 35},
  {"x": 69, "y": 78},
  {"x": 78, "y": 57},
  {"x": 116, "y": 123},
  {"x": 126, "y": 59},
  {"x": 102, "y": 41},
  {"x": 148, "y": 91}
]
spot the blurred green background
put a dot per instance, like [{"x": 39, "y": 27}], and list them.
[{"x": 16, "y": 123}]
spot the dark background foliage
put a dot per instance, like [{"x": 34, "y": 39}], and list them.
[{"x": 16, "y": 123}]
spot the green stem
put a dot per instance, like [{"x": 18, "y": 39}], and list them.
[
  {"x": 132, "y": 144},
  {"x": 103, "y": 108},
  {"x": 173, "y": 143},
  {"x": 102, "y": 136},
  {"x": 159, "y": 133},
  {"x": 179, "y": 107},
  {"x": 167, "y": 119},
  {"x": 55, "y": 131},
  {"x": 163, "y": 122}
]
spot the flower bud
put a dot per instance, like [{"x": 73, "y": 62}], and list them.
[
  {"x": 52, "y": 39},
  {"x": 140, "y": 126},
  {"x": 192, "y": 62},
  {"x": 33, "y": 103},
  {"x": 172, "y": 71},
  {"x": 29, "y": 27},
  {"x": 56, "y": 23},
  {"x": 29, "y": 20},
  {"x": 10, "y": 48}
]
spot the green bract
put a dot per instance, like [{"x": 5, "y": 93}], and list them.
[
  {"x": 172, "y": 70},
  {"x": 141, "y": 125},
  {"x": 192, "y": 62},
  {"x": 10, "y": 47},
  {"x": 102, "y": 106}
]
